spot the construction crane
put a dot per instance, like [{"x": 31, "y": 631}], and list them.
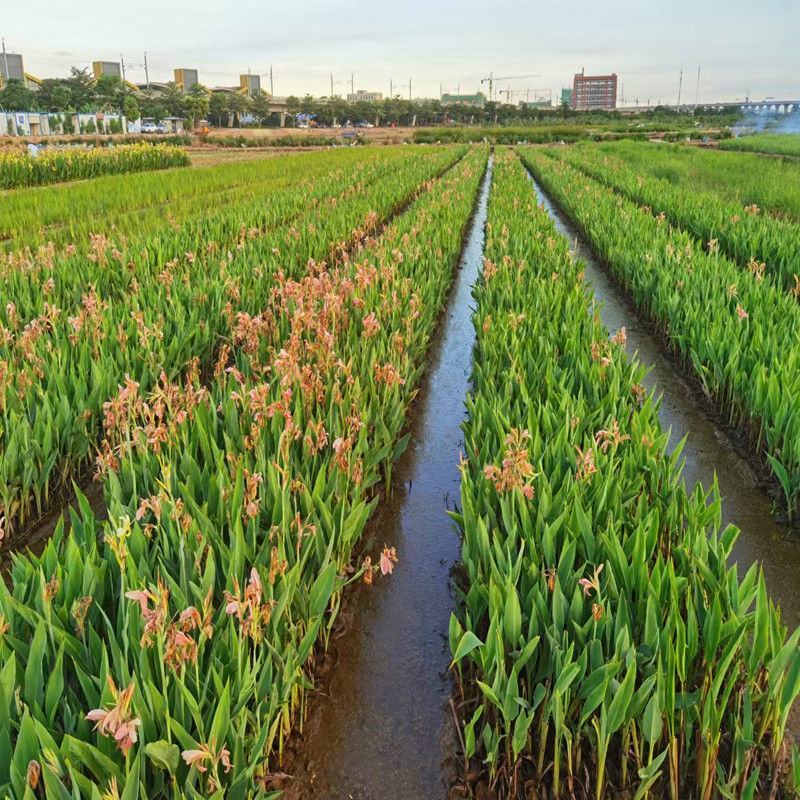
[{"x": 491, "y": 79}]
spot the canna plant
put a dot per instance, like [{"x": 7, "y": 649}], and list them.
[
  {"x": 732, "y": 327},
  {"x": 56, "y": 166},
  {"x": 147, "y": 311},
  {"x": 602, "y": 647},
  {"x": 174, "y": 644},
  {"x": 756, "y": 241}
]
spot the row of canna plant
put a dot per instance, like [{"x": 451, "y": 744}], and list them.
[
  {"x": 72, "y": 164},
  {"x": 68, "y": 340},
  {"x": 125, "y": 205},
  {"x": 603, "y": 647},
  {"x": 25, "y": 272},
  {"x": 736, "y": 330},
  {"x": 755, "y": 240},
  {"x": 746, "y": 179},
  {"x": 168, "y": 652}
]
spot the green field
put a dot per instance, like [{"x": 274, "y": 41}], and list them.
[{"x": 235, "y": 355}]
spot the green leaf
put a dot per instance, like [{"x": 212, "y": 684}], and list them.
[
  {"x": 222, "y": 719},
  {"x": 621, "y": 700},
  {"x": 469, "y": 641},
  {"x": 321, "y": 591},
  {"x": 164, "y": 755}
]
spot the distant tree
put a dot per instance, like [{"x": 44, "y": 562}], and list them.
[
  {"x": 293, "y": 106},
  {"x": 90, "y": 126},
  {"x": 81, "y": 89},
  {"x": 174, "y": 100},
  {"x": 218, "y": 107},
  {"x": 110, "y": 92},
  {"x": 197, "y": 103},
  {"x": 260, "y": 107},
  {"x": 238, "y": 104},
  {"x": 131, "y": 108},
  {"x": 15, "y": 96},
  {"x": 54, "y": 95},
  {"x": 151, "y": 106}
]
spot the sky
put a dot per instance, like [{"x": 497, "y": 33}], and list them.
[{"x": 740, "y": 46}]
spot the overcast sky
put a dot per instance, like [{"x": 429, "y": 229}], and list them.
[{"x": 741, "y": 44}]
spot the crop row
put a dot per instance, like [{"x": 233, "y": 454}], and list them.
[
  {"x": 748, "y": 180},
  {"x": 776, "y": 144},
  {"x": 122, "y": 205},
  {"x": 603, "y": 646},
  {"x": 756, "y": 241},
  {"x": 736, "y": 330},
  {"x": 56, "y": 166},
  {"x": 70, "y": 336}
]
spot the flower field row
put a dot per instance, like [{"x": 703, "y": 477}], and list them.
[
  {"x": 168, "y": 651},
  {"x": 737, "y": 331},
  {"x": 160, "y": 309},
  {"x": 787, "y": 144},
  {"x": 756, "y": 241},
  {"x": 55, "y": 166},
  {"x": 603, "y": 647},
  {"x": 125, "y": 205},
  {"x": 748, "y": 180}
]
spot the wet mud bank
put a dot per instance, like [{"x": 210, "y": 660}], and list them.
[
  {"x": 711, "y": 447},
  {"x": 384, "y": 727}
]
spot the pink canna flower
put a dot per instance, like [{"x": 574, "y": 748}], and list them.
[
  {"x": 206, "y": 753},
  {"x": 388, "y": 560},
  {"x": 116, "y": 722},
  {"x": 196, "y": 758}
]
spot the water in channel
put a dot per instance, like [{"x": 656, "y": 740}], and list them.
[
  {"x": 708, "y": 449},
  {"x": 384, "y": 729}
]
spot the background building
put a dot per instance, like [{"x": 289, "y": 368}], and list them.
[
  {"x": 566, "y": 96},
  {"x": 474, "y": 100},
  {"x": 250, "y": 83},
  {"x": 12, "y": 68},
  {"x": 594, "y": 91},
  {"x": 105, "y": 68},
  {"x": 364, "y": 97},
  {"x": 185, "y": 79}
]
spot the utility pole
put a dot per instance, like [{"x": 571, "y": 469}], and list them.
[
  {"x": 409, "y": 88},
  {"x": 122, "y": 65},
  {"x": 271, "y": 86},
  {"x": 331, "y": 86},
  {"x": 5, "y": 62},
  {"x": 146, "y": 73},
  {"x": 352, "y": 83},
  {"x": 697, "y": 89},
  {"x": 680, "y": 86}
]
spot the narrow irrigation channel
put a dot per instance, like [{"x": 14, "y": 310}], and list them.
[
  {"x": 384, "y": 728},
  {"x": 709, "y": 449}
]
